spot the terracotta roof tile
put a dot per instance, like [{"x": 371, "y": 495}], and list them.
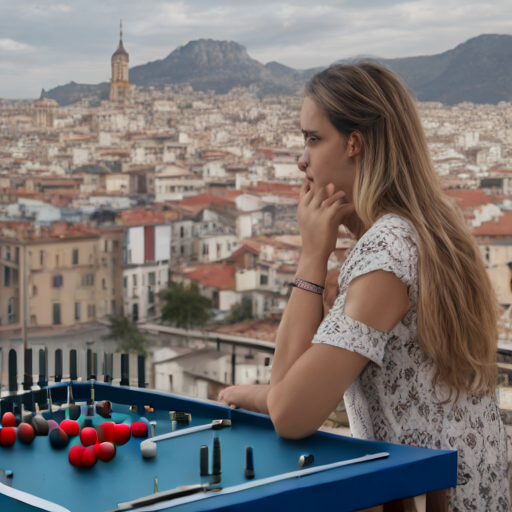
[
  {"x": 501, "y": 226},
  {"x": 215, "y": 275}
]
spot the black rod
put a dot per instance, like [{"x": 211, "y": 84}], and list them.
[
  {"x": 27, "y": 377},
  {"x": 141, "y": 371}
]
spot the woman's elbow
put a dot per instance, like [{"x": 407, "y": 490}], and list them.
[
  {"x": 287, "y": 427},
  {"x": 285, "y": 420}
]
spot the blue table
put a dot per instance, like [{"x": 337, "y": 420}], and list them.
[{"x": 45, "y": 473}]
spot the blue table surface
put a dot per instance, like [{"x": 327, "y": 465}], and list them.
[{"x": 45, "y": 472}]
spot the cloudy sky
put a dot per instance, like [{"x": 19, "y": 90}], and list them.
[{"x": 45, "y": 43}]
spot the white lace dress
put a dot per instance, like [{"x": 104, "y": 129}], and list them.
[{"x": 393, "y": 399}]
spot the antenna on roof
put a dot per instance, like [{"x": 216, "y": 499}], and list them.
[{"x": 121, "y": 30}]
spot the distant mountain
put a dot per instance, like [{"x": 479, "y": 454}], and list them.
[
  {"x": 479, "y": 70},
  {"x": 219, "y": 66},
  {"x": 73, "y": 92}
]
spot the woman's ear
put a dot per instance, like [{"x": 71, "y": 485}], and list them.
[{"x": 355, "y": 144}]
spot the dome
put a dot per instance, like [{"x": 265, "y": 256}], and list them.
[
  {"x": 45, "y": 102},
  {"x": 120, "y": 52}
]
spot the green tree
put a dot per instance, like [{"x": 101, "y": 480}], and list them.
[
  {"x": 184, "y": 305},
  {"x": 127, "y": 335},
  {"x": 240, "y": 311}
]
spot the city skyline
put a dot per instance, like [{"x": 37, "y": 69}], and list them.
[{"x": 50, "y": 44}]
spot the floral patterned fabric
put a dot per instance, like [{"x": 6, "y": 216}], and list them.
[{"x": 393, "y": 399}]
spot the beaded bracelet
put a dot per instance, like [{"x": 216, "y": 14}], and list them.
[{"x": 306, "y": 285}]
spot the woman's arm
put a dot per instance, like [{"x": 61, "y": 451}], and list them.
[
  {"x": 254, "y": 397},
  {"x": 301, "y": 318}
]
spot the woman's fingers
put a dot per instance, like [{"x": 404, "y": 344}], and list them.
[{"x": 304, "y": 189}]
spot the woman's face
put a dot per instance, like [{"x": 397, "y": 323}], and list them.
[{"x": 329, "y": 156}]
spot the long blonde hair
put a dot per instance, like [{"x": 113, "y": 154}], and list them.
[{"x": 457, "y": 306}]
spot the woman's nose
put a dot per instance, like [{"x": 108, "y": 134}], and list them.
[{"x": 302, "y": 163}]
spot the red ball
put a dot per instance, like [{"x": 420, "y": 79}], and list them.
[
  {"x": 105, "y": 451},
  {"x": 7, "y": 436},
  {"x": 88, "y": 458},
  {"x": 139, "y": 429},
  {"x": 75, "y": 455},
  {"x": 8, "y": 420},
  {"x": 26, "y": 433},
  {"x": 88, "y": 436},
  {"x": 71, "y": 427},
  {"x": 106, "y": 432},
  {"x": 122, "y": 434}
]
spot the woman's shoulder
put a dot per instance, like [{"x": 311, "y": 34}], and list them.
[
  {"x": 392, "y": 226},
  {"x": 390, "y": 244}
]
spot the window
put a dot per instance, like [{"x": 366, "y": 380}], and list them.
[
  {"x": 91, "y": 310},
  {"x": 135, "y": 312},
  {"x": 151, "y": 296},
  {"x": 88, "y": 280},
  {"x": 182, "y": 250},
  {"x": 113, "y": 307},
  {"x": 205, "y": 249},
  {"x": 182, "y": 232},
  {"x": 151, "y": 278},
  {"x": 29, "y": 259},
  {"x": 7, "y": 276},
  {"x": 56, "y": 313},
  {"x": 125, "y": 282},
  {"x": 77, "y": 310},
  {"x": 134, "y": 280},
  {"x": 34, "y": 291},
  {"x": 104, "y": 284},
  {"x": 57, "y": 281},
  {"x": 106, "y": 245},
  {"x": 10, "y": 310},
  {"x": 487, "y": 255},
  {"x": 17, "y": 255},
  {"x": 15, "y": 277},
  {"x": 263, "y": 279},
  {"x": 116, "y": 244},
  {"x": 41, "y": 258},
  {"x": 173, "y": 249},
  {"x": 75, "y": 256},
  {"x": 8, "y": 253}
]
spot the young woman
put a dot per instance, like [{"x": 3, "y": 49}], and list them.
[{"x": 410, "y": 341}]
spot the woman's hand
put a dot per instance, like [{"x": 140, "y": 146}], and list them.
[
  {"x": 320, "y": 217},
  {"x": 230, "y": 396},
  {"x": 251, "y": 397}
]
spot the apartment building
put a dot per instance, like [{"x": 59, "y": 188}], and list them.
[
  {"x": 146, "y": 254},
  {"x": 59, "y": 275}
]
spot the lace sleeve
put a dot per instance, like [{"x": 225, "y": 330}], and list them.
[{"x": 388, "y": 246}]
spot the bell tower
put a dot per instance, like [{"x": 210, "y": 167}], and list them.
[{"x": 119, "y": 85}]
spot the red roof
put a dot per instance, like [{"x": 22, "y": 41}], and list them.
[
  {"x": 214, "y": 275},
  {"x": 203, "y": 200},
  {"x": 500, "y": 227},
  {"x": 469, "y": 198},
  {"x": 263, "y": 186},
  {"x": 143, "y": 217}
]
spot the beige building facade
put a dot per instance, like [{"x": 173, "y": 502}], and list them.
[{"x": 66, "y": 280}]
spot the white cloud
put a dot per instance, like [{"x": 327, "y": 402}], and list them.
[
  {"x": 58, "y": 35},
  {"x": 9, "y": 45}
]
